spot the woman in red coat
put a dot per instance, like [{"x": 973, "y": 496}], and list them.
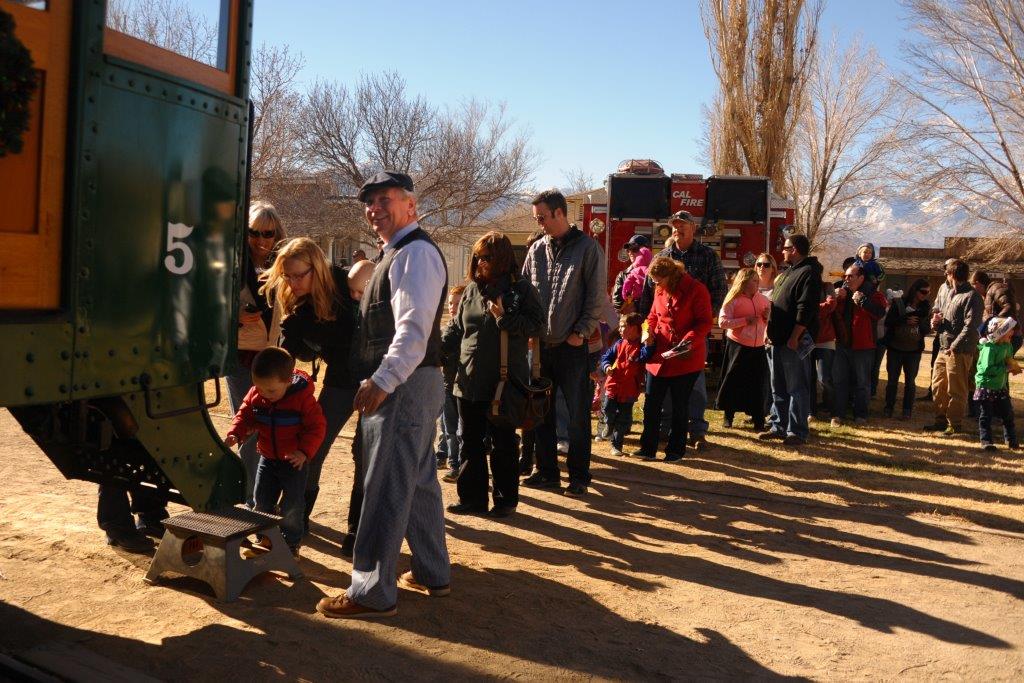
[{"x": 677, "y": 328}]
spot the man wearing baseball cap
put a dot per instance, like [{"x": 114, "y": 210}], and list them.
[
  {"x": 397, "y": 353},
  {"x": 703, "y": 264}
]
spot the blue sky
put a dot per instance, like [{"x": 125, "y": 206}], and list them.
[{"x": 593, "y": 82}]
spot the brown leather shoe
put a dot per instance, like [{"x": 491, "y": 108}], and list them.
[
  {"x": 407, "y": 580},
  {"x": 341, "y": 607}
]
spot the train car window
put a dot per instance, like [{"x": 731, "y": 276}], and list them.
[
  {"x": 32, "y": 178},
  {"x": 191, "y": 39}
]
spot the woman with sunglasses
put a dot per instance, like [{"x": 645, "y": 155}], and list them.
[
  {"x": 318, "y": 320},
  {"x": 258, "y": 320},
  {"x": 767, "y": 269},
  {"x": 907, "y": 324},
  {"x": 495, "y": 300}
]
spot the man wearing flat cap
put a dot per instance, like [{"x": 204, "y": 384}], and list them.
[
  {"x": 702, "y": 263},
  {"x": 397, "y": 354}
]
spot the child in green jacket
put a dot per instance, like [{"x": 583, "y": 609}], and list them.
[{"x": 995, "y": 363}]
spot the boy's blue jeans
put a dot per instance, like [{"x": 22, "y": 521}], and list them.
[
  {"x": 619, "y": 418},
  {"x": 278, "y": 479},
  {"x": 996, "y": 407},
  {"x": 449, "y": 442}
]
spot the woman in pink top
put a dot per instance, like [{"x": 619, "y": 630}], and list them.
[{"x": 744, "y": 317}]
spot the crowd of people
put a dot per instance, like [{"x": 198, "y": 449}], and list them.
[{"x": 796, "y": 349}]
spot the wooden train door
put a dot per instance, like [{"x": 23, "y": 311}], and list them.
[{"x": 32, "y": 181}]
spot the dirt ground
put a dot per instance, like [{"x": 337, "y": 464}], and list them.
[{"x": 870, "y": 554}]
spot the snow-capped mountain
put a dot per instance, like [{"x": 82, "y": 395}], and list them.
[{"x": 894, "y": 222}]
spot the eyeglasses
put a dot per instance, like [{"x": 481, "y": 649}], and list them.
[
  {"x": 298, "y": 276},
  {"x": 762, "y": 264},
  {"x": 265, "y": 234},
  {"x": 484, "y": 258}
]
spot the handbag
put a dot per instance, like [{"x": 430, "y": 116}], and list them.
[
  {"x": 517, "y": 405},
  {"x": 905, "y": 337}
]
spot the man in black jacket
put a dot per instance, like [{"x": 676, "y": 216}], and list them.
[{"x": 792, "y": 325}]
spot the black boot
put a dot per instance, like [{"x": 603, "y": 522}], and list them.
[{"x": 130, "y": 540}]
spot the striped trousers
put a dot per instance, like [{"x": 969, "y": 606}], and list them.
[{"x": 402, "y": 497}]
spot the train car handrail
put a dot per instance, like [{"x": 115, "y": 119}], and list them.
[{"x": 201, "y": 403}]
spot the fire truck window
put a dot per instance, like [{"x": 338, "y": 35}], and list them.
[
  {"x": 32, "y": 4},
  {"x": 196, "y": 29}
]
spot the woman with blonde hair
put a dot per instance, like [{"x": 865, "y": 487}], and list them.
[
  {"x": 744, "y": 317},
  {"x": 318, "y": 321},
  {"x": 767, "y": 269},
  {"x": 677, "y": 329},
  {"x": 258, "y": 319}
]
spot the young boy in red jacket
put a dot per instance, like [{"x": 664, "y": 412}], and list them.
[
  {"x": 623, "y": 365},
  {"x": 290, "y": 426}
]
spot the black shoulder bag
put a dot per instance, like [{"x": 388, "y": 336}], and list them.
[{"x": 517, "y": 405}]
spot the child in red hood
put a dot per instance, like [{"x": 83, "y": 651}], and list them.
[
  {"x": 623, "y": 363},
  {"x": 290, "y": 426}
]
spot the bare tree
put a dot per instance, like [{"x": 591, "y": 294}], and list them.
[
  {"x": 762, "y": 52},
  {"x": 274, "y": 154},
  {"x": 849, "y": 129},
  {"x": 468, "y": 163},
  {"x": 577, "y": 180},
  {"x": 967, "y": 146},
  {"x": 171, "y": 24}
]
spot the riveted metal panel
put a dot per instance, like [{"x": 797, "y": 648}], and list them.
[
  {"x": 156, "y": 287},
  {"x": 35, "y": 363},
  {"x": 186, "y": 447}
]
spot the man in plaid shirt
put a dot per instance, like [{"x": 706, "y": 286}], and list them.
[{"x": 703, "y": 263}]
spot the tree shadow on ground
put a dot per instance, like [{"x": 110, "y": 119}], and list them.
[
  {"x": 611, "y": 560},
  {"x": 520, "y": 616},
  {"x": 823, "y": 474}
]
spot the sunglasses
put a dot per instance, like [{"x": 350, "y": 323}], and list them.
[
  {"x": 298, "y": 276},
  {"x": 762, "y": 264},
  {"x": 484, "y": 258},
  {"x": 265, "y": 234}
]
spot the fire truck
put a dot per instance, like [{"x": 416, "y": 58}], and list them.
[{"x": 738, "y": 216}]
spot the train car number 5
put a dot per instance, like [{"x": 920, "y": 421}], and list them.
[{"x": 176, "y": 234}]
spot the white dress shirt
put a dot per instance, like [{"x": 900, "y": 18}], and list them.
[{"x": 418, "y": 278}]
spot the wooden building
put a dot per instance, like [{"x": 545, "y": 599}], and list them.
[{"x": 903, "y": 265}]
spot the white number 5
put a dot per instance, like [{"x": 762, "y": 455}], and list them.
[{"x": 176, "y": 234}]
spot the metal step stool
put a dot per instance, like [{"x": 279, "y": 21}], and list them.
[{"x": 220, "y": 563}]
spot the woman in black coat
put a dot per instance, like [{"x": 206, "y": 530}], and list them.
[
  {"x": 318, "y": 325},
  {"x": 906, "y": 325},
  {"x": 495, "y": 301}
]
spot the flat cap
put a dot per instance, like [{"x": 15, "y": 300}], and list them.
[
  {"x": 682, "y": 216},
  {"x": 385, "y": 179}
]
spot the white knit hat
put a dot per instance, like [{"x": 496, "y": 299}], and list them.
[{"x": 998, "y": 327}]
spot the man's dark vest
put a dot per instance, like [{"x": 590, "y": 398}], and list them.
[{"x": 377, "y": 320}]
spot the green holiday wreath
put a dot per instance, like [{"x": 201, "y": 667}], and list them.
[{"x": 17, "y": 84}]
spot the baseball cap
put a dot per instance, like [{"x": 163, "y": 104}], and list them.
[
  {"x": 682, "y": 216},
  {"x": 638, "y": 241}
]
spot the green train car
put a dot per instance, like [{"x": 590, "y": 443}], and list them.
[{"x": 121, "y": 237}]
